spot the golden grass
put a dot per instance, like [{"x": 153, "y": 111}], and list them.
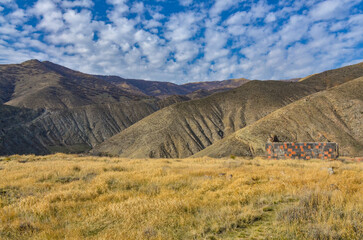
[{"x": 72, "y": 197}]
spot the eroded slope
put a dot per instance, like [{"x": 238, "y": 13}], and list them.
[
  {"x": 334, "y": 115},
  {"x": 186, "y": 128}
]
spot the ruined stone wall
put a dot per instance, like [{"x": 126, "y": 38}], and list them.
[{"x": 306, "y": 150}]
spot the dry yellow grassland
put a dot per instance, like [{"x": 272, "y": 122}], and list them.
[{"x": 73, "y": 197}]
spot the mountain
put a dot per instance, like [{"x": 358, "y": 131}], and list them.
[
  {"x": 185, "y": 128},
  {"x": 335, "y": 77},
  {"x": 215, "y": 85},
  {"x": 35, "y": 85},
  {"x": 68, "y": 130},
  {"x": 147, "y": 88},
  {"x": 165, "y": 89},
  {"x": 45, "y": 107},
  {"x": 49, "y": 108},
  {"x": 334, "y": 115}
]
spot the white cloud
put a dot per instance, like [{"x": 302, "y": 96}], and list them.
[
  {"x": 77, "y": 3},
  {"x": 9, "y": 4},
  {"x": 49, "y": 14},
  {"x": 271, "y": 17},
  {"x": 182, "y": 26},
  {"x": 254, "y": 40},
  {"x": 18, "y": 17},
  {"x": 294, "y": 30},
  {"x": 149, "y": 24},
  {"x": 138, "y": 7},
  {"x": 42, "y": 7},
  {"x": 327, "y": 9},
  {"x": 119, "y": 9},
  {"x": 215, "y": 44},
  {"x": 185, "y": 2},
  {"x": 9, "y": 30},
  {"x": 257, "y": 11},
  {"x": 116, "y": 2},
  {"x": 238, "y": 18},
  {"x": 221, "y": 5},
  {"x": 186, "y": 51}
]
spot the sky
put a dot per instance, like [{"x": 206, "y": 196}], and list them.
[{"x": 185, "y": 40}]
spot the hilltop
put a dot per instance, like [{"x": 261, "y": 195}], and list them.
[
  {"x": 184, "y": 129},
  {"x": 334, "y": 115},
  {"x": 50, "y": 108},
  {"x": 334, "y": 77}
]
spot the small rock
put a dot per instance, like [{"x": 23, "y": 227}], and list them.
[
  {"x": 331, "y": 171},
  {"x": 222, "y": 174}
]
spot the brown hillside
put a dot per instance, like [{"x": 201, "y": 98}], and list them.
[
  {"x": 334, "y": 115},
  {"x": 35, "y": 85},
  {"x": 334, "y": 77},
  {"x": 147, "y": 88},
  {"x": 66, "y": 130},
  {"x": 56, "y": 109},
  {"x": 185, "y": 128}
]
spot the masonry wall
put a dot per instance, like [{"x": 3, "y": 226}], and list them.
[{"x": 307, "y": 150}]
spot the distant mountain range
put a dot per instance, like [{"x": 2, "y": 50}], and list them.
[
  {"x": 183, "y": 129},
  {"x": 210, "y": 126},
  {"x": 165, "y": 89},
  {"x": 46, "y": 108}
]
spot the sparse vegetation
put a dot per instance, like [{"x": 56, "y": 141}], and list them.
[{"x": 72, "y": 197}]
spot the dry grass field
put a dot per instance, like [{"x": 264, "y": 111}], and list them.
[{"x": 73, "y": 197}]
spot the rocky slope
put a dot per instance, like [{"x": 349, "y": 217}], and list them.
[
  {"x": 67, "y": 130},
  {"x": 335, "y": 77},
  {"x": 36, "y": 85},
  {"x": 48, "y": 108},
  {"x": 334, "y": 115},
  {"x": 185, "y": 128}
]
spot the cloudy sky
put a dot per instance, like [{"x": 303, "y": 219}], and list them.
[{"x": 185, "y": 40}]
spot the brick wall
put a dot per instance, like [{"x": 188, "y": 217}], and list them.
[{"x": 305, "y": 150}]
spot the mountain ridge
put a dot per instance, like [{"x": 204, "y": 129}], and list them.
[
  {"x": 334, "y": 115},
  {"x": 67, "y": 110},
  {"x": 46, "y": 108},
  {"x": 184, "y": 129}
]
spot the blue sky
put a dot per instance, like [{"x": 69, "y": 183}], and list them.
[{"x": 185, "y": 40}]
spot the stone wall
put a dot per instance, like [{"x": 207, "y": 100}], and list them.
[{"x": 305, "y": 150}]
